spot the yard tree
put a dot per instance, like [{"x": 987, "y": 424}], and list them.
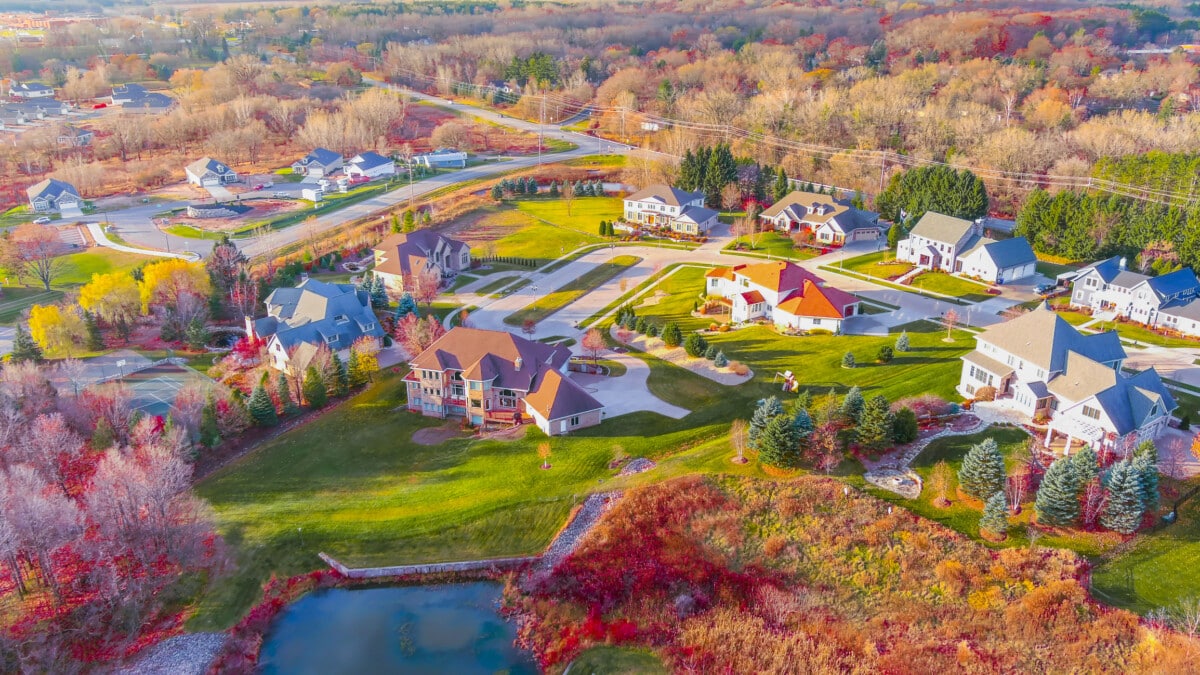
[
  {"x": 737, "y": 439},
  {"x": 196, "y": 335},
  {"x": 874, "y": 430},
  {"x": 711, "y": 352},
  {"x": 568, "y": 195},
  {"x": 1057, "y": 501},
  {"x": 406, "y": 306},
  {"x": 671, "y": 335},
  {"x": 396, "y": 228},
  {"x": 415, "y": 334},
  {"x": 767, "y": 410},
  {"x": 287, "y": 404},
  {"x": 210, "y": 433},
  {"x": 1125, "y": 507},
  {"x": 853, "y": 405},
  {"x": 594, "y": 344},
  {"x": 893, "y": 237},
  {"x": 314, "y": 388},
  {"x": 904, "y": 426},
  {"x": 25, "y": 348},
  {"x": 950, "y": 318},
  {"x": 802, "y": 421},
  {"x": 36, "y": 250},
  {"x": 720, "y": 360},
  {"x": 694, "y": 344},
  {"x": 224, "y": 264},
  {"x": 641, "y": 325},
  {"x": 261, "y": 408},
  {"x": 1145, "y": 460},
  {"x": 378, "y": 292},
  {"x": 167, "y": 282},
  {"x": 57, "y": 330},
  {"x": 95, "y": 339},
  {"x": 529, "y": 327},
  {"x": 410, "y": 221},
  {"x": 356, "y": 375},
  {"x": 1087, "y": 466},
  {"x": 427, "y": 285},
  {"x": 995, "y": 516},
  {"x": 781, "y": 188},
  {"x": 982, "y": 472},
  {"x": 543, "y": 451},
  {"x": 939, "y": 483},
  {"x": 779, "y": 443},
  {"x": 902, "y": 342},
  {"x": 848, "y": 360},
  {"x": 885, "y": 354},
  {"x": 113, "y": 297},
  {"x": 339, "y": 383}
]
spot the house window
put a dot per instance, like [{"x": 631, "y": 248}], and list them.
[
  {"x": 1091, "y": 412},
  {"x": 575, "y": 421},
  {"x": 331, "y": 338},
  {"x": 476, "y": 386},
  {"x": 816, "y": 322}
]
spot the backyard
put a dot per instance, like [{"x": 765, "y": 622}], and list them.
[
  {"x": 571, "y": 291},
  {"x": 775, "y": 245}
]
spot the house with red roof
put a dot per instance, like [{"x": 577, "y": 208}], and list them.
[{"x": 786, "y": 294}]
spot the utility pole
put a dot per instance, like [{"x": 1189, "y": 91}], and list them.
[
  {"x": 542, "y": 127},
  {"x": 882, "y": 169}
]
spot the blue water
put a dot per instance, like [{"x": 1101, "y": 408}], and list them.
[{"x": 446, "y": 628}]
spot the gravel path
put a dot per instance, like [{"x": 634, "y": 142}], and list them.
[
  {"x": 568, "y": 540},
  {"x": 637, "y": 466},
  {"x": 181, "y": 655}
]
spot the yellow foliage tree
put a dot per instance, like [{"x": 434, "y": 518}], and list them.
[
  {"x": 57, "y": 330},
  {"x": 113, "y": 297},
  {"x": 163, "y": 283}
]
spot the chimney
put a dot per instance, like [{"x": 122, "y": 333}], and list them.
[
  {"x": 1121, "y": 264},
  {"x": 518, "y": 363}
]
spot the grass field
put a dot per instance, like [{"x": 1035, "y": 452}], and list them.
[
  {"x": 586, "y": 212},
  {"x": 506, "y": 231},
  {"x": 776, "y": 245},
  {"x": 495, "y": 285},
  {"x": 876, "y": 265},
  {"x": 947, "y": 284},
  {"x": 608, "y": 660},
  {"x": 77, "y": 270},
  {"x": 571, "y": 291},
  {"x": 1129, "y": 331}
]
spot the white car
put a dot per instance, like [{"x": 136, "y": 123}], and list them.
[{"x": 44, "y": 220}]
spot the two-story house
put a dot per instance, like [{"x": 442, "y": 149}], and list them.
[
  {"x": 957, "y": 246},
  {"x": 830, "y": 220},
  {"x": 786, "y": 294},
  {"x": 401, "y": 256},
  {"x": 1043, "y": 367},
  {"x": 666, "y": 207},
  {"x": 496, "y": 377},
  {"x": 315, "y": 314},
  {"x": 1169, "y": 301}
]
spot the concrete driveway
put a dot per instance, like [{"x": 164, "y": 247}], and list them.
[
  {"x": 220, "y": 193},
  {"x": 627, "y": 393}
]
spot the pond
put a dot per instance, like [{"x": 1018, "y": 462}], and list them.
[{"x": 443, "y": 628}]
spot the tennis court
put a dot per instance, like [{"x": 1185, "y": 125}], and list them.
[{"x": 154, "y": 389}]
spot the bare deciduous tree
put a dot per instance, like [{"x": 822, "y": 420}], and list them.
[{"x": 738, "y": 438}]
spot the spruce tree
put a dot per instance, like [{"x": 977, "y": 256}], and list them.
[
  {"x": 720, "y": 360},
  {"x": 1057, "y": 501},
  {"x": 1145, "y": 460},
  {"x": 210, "y": 433},
  {"x": 767, "y": 410},
  {"x": 410, "y": 221},
  {"x": 356, "y": 374},
  {"x": 779, "y": 444},
  {"x": 95, "y": 339},
  {"x": 314, "y": 388},
  {"x": 407, "y": 306},
  {"x": 261, "y": 408},
  {"x": 848, "y": 360},
  {"x": 904, "y": 426},
  {"x": 671, "y": 335},
  {"x": 378, "y": 292},
  {"x": 694, "y": 344},
  {"x": 24, "y": 348},
  {"x": 1125, "y": 507},
  {"x": 982, "y": 472},
  {"x": 902, "y": 342},
  {"x": 802, "y": 421},
  {"x": 781, "y": 187},
  {"x": 103, "y": 435},
  {"x": 995, "y": 515},
  {"x": 497, "y": 194},
  {"x": 286, "y": 403},
  {"x": 853, "y": 404},
  {"x": 711, "y": 352},
  {"x": 340, "y": 384},
  {"x": 874, "y": 431},
  {"x": 1087, "y": 465}
]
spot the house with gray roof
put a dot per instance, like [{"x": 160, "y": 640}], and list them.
[
  {"x": 208, "y": 172},
  {"x": 954, "y": 245},
  {"x": 831, "y": 221},
  {"x": 314, "y": 315},
  {"x": 670, "y": 208},
  {"x": 134, "y": 97},
  {"x": 1167, "y": 302},
  {"x": 320, "y": 162},
  {"x": 370, "y": 165},
  {"x": 30, "y": 90},
  {"x": 52, "y": 195},
  {"x": 401, "y": 257},
  {"x": 1042, "y": 366}
]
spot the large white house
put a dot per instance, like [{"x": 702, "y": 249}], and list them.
[
  {"x": 957, "y": 246},
  {"x": 786, "y": 294},
  {"x": 831, "y": 221},
  {"x": 1044, "y": 367},
  {"x": 30, "y": 90},
  {"x": 318, "y": 163},
  {"x": 208, "y": 172},
  {"x": 52, "y": 194},
  {"x": 1170, "y": 301},
  {"x": 666, "y": 207},
  {"x": 369, "y": 165},
  {"x": 315, "y": 314}
]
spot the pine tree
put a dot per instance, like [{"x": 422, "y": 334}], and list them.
[
  {"x": 902, "y": 342},
  {"x": 779, "y": 444},
  {"x": 340, "y": 386},
  {"x": 982, "y": 472},
  {"x": 781, "y": 187},
  {"x": 410, "y": 221},
  {"x": 1057, "y": 501},
  {"x": 848, "y": 360},
  {"x": 1125, "y": 507},
  {"x": 694, "y": 345},
  {"x": 314, "y": 388},
  {"x": 853, "y": 404},
  {"x": 671, "y": 335},
  {"x": 103, "y": 435},
  {"x": 262, "y": 410},
  {"x": 554, "y": 191},
  {"x": 802, "y": 421},
  {"x": 1087, "y": 465},
  {"x": 904, "y": 426},
  {"x": 210, "y": 433},
  {"x": 407, "y": 306},
  {"x": 196, "y": 334},
  {"x": 355, "y": 373},
  {"x": 1145, "y": 460},
  {"x": 995, "y": 515},
  {"x": 24, "y": 348},
  {"x": 767, "y": 410},
  {"x": 874, "y": 431},
  {"x": 687, "y": 172},
  {"x": 95, "y": 339},
  {"x": 497, "y": 193},
  {"x": 378, "y": 292},
  {"x": 711, "y": 352},
  {"x": 286, "y": 403},
  {"x": 721, "y": 360},
  {"x": 893, "y": 237}
]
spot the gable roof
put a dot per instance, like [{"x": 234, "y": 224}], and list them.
[
  {"x": 555, "y": 396},
  {"x": 776, "y": 276},
  {"x": 942, "y": 228},
  {"x": 31, "y": 86},
  {"x": 206, "y": 164},
  {"x": 369, "y": 160},
  {"x": 492, "y": 355},
  {"x": 51, "y": 188},
  {"x": 1127, "y": 402},
  {"x": 840, "y": 215},
  {"x": 671, "y": 196},
  {"x": 320, "y": 156},
  {"x": 1108, "y": 269},
  {"x": 1044, "y": 338},
  {"x": 315, "y": 311},
  {"x": 403, "y": 252},
  {"x": 1173, "y": 283},
  {"x": 1009, "y": 252},
  {"x": 817, "y": 301},
  {"x": 696, "y": 214}
]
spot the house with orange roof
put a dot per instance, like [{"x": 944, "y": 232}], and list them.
[{"x": 782, "y": 292}]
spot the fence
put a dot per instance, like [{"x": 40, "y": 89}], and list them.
[
  {"x": 506, "y": 260},
  {"x": 431, "y": 568}
]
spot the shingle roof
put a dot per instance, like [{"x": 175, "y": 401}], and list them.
[
  {"x": 696, "y": 214},
  {"x": 51, "y": 188},
  {"x": 555, "y": 396},
  {"x": 943, "y": 228},
  {"x": 1128, "y": 402},
  {"x": 672, "y": 196},
  {"x": 987, "y": 363},
  {"x": 1172, "y": 283},
  {"x": 492, "y": 354},
  {"x": 1186, "y": 310},
  {"x": 1107, "y": 269},
  {"x": 404, "y": 252},
  {"x": 817, "y": 301},
  {"x": 1044, "y": 339},
  {"x": 315, "y": 311},
  {"x": 776, "y": 276},
  {"x": 205, "y": 164},
  {"x": 1010, "y": 252},
  {"x": 370, "y": 160},
  {"x": 839, "y": 214},
  {"x": 320, "y": 156}
]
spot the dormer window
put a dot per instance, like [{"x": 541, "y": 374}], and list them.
[
  {"x": 330, "y": 339},
  {"x": 341, "y": 318}
]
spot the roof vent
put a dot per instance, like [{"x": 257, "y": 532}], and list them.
[{"x": 518, "y": 363}]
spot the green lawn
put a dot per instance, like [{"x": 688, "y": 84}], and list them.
[
  {"x": 608, "y": 660},
  {"x": 881, "y": 265},
  {"x": 597, "y": 161},
  {"x": 191, "y": 232},
  {"x": 1128, "y": 331},
  {"x": 77, "y": 269},
  {"x": 495, "y": 285},
  {"x": 571, "y": 291},
  {"x": 586, "y": 212},
  {"x": 1052, "y": 270},
  {"x": 505, "y": 231},
  {"x": 776, "y": 245},
  {"x": 948, "y": 284}
]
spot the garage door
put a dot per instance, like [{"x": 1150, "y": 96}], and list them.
[{"x": 209, "y": 181}]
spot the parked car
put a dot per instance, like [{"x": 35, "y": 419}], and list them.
[
  {"x": 99, "y": 106},
  {"x": 1045, "y": 289},
  {"x": 279, "y": 195},
  {"x": 44, "y": 220}
]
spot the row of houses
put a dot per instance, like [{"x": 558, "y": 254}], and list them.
[
  {"x": 322, "y": 162},
  {"x": 1167, "y": 302}
]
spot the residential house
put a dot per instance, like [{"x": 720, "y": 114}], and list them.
[
  {"x": 492, "y": 376},
  {"x": 1170, "y": 301},
  {"x": 404, "y": 255},
  {"x": 318, "y": 163},
  {"x": 786, "y": 294},
  {"x": 30, "y": 90},
  {"x": 207, "y": 172},
  {"x": 52, "y": 194},
  {"x": 1043, "y": 367},
  {"x": 830, "y": 220},
  {"x": 665, "y": 207},
  {"x": 949, "y": 244},
  {"x": 135, "y": 98},
  {"x": 370, "y": 165},
  {"x": 301, "y": 320},
  {"x": 75, "y": 137},
  {"x": 39, "y": 108},
  {"x": 442, "y": 158}
]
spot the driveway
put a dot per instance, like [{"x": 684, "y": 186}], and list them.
[
  {"x": 627, "y": 393},
  {"x": 7, "y": 333},
  {"x": 220, "y": 193}
]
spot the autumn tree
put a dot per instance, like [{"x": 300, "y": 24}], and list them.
[
  {"x": 36, "y": 249},
  {"x": 738, "y": 437},
  {"x": 594, "y": 344},
  {"x": 114, "y": 297},
  {"x": 939, "y": 483},
  {"x": 57, "y": 330},
  {"x": 543, "y": 451},
  {"x": 568, "y": 195}
]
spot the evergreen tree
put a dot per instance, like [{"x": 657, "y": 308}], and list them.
[
  {"x": 1145, "y": 460},
  {"x": 853, "y": 404},
  {"x": 904, "y": 426},
  {"x": 640, "y": 325},
  {"x": 885, "y": 354},
  {"x": 410, "y": 221},
  {"x": 721, "y": 360},
  {"x": 261, "y": 409},
  {"x": 902, "y": 342},
  {"x": 519, "y": 186},
  {"x": 802, "y": 421},
  {"x": 893, "y": 237},
  {"x": 1125, "y": 507},
  {"x": 497, "y": 193},
  {"x": 407, "y": 306},
  {"x": 651, "y": 330},
  {"x": 287, "y": 404},
  {"x": 210, "y": 433},
  {"x": 531, "y": 187},
  {"x": 196, "y": 334},
  {"x": 314, "y": 388},
  {"x": 603, "y": 229},
  {"x": 103, "y": 435},
  {"x": 355, "y": 372},
  {"x": 671, "y": 335},
  {"x": 1057, "y": 501},
  {"x": 982, "y": 472},
  {"x": 340, "y": 386},
  {"x": 378, "y": 292},
  {"x": 995, "y": 515},
  {"x": 24, "y": 348},
  {"x": 874, "y": 430},
  {"x": 804, "y": 400},
  {"x": 554, "y": 191},
  {"x": 95, "y": 339},
  {"x": 779, "y": 444},
  {"x": 689, "y": 173},
  {"x": 694, "y": 344},
  {"x": 711, "y": 352},
  {"x": 767, "y": 410},
  {"x": 848, "y": 360},
  {"x": 781, "y": 188},
  {"x": 1086, "y": 464}
]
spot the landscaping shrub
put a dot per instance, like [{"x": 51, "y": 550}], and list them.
[
  {"x": 848, "y": 360},
  {"x": 672, "y": 336},
  {"x": 740, "y": 369},
  {"x": 902, "y": 342},
  {"x": 695, "y": 344},
  {"x": 885, "y": 354},
  {"x": 720, "y": 360},
  {"x": 985, "y": 393},
  {"x": 711, "y": 352},
  {"x": 904, "y": 425},
  {"x": 651, "y": 330},
  {"x": 982, "y": 472}
]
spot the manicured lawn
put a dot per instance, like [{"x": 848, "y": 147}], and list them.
[
  {"x": 77, "y": 270},
  {"x": 947, "y": 284},
  {"x": 776, "y": 245},
  {"x": 617, "y": 661},
  {"x": 495, "y": 285},
  {"x": 506, "y": 231},
  {"x": 881, "y": 265},
  {"x": 16, "y": 299},
  {"x": 460, "y": 281},
  {"x": 190, "y": 232},
  {"x": 586, "y": 212},
  {"x": 1052, "y": 270},
  {"x": 1137, "y": 333},
  {"x": 571, "y": 291},
  {"x": 650, "y": 281},
  {"x": 1074, "y": 318}
]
